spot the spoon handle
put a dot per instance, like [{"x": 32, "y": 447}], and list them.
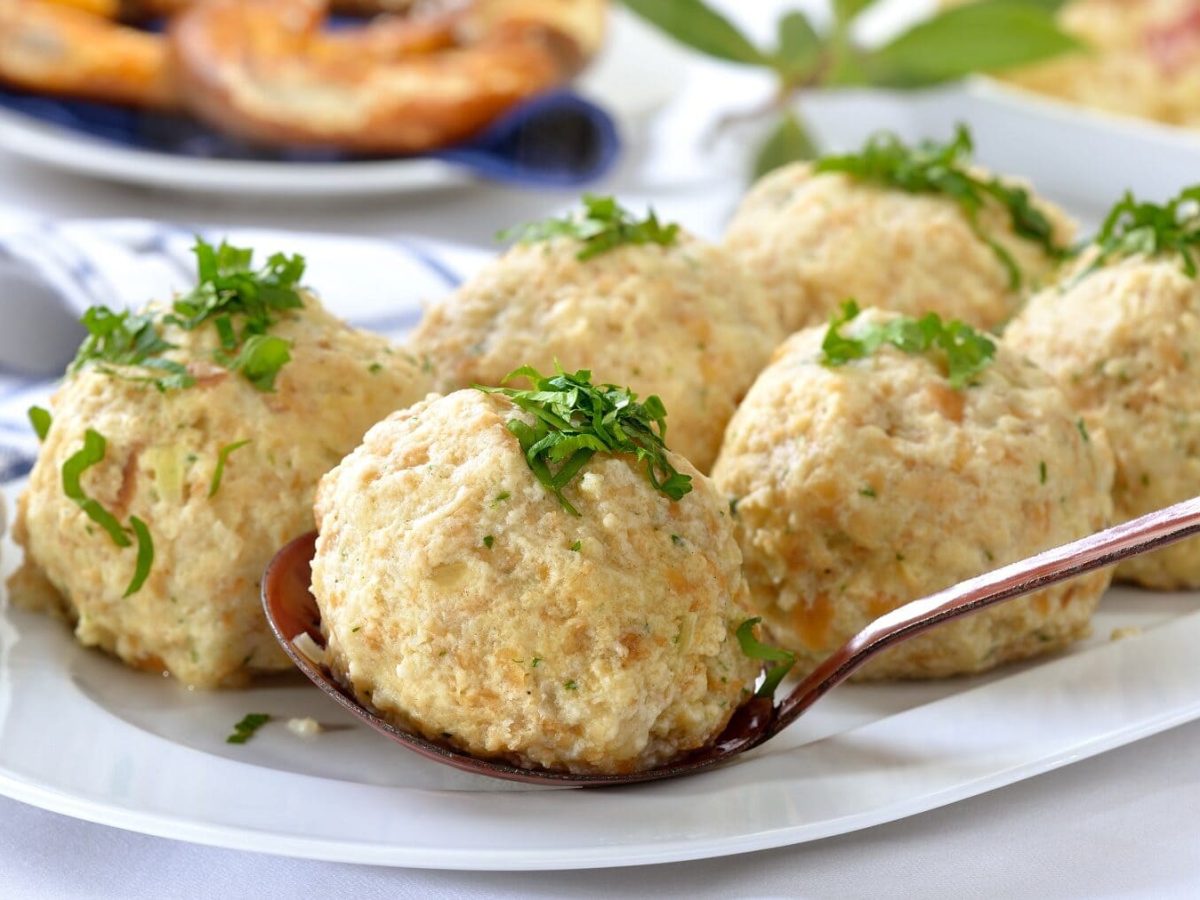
[{"x": 1140, "y": 535}]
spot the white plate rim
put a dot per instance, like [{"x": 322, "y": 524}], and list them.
[
  {"x": 228, "y": 838},
  {"x": 1164, "y": 647}
]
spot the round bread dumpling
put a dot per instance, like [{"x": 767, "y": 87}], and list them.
[
  {"x": 681, "y": 321},
  {"x": 861, "y": 487},
  {"x": 463, "y": 601},
  {"x": 814, "y": 239},
  {"x": 1124, "y": 343},
  {"x": 219, "y": 474}
]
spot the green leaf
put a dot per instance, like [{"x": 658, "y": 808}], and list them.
[
  {"x": 846, "y": 10},
  {"x": 261, "y": 358},
  {"x": 228, "y": 291},
  {"x": 145, "y": 555},
  {"x": 929, "y": 167},
  {"x": 753, "y": 648},
  {"x": 106, "y": 520},
  {"x": 244, "y": 730},
  {"x": 1047, "y": 5},
  {"x": 602, "y": 225},
  {"x": 787, "y": 143},
  {"x": 697, "y": 25},
  {"x": 978, "y": 37},
  {"x": 846, "y": 67},
  {"x": 1151, "y": 229},
  {"x": 575, "y": 419},
  {"x": 967, "y": 352},
  {"x": 41, "y": 421},
  {"x": 92, "y": 453},
  {"x": 837, "y": 349},
  {"x": 799, "y": 50},
  {"x": 223, "y": 457}
]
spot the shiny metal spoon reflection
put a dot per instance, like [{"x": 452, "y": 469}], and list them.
[{"x": 291, "y": 610}]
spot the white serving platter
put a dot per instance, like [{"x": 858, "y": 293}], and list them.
[{"x": 83, "y": 736}]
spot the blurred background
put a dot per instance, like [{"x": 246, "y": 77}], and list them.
[{"x": 687, "y": 125}]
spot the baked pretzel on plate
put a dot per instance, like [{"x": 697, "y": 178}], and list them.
[
  {"x": 267, "y": 71},
  {"x": 67, "y": 49}
]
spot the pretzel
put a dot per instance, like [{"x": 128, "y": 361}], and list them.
[
  {"x": 67, "y": 49},
  {"x": 266, "y": 71},
  {"x": 141, "y": 10}
]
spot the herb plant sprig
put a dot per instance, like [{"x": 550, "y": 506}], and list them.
[
  {"x": 247, "y": 727},
  {"x": 92, "y": 453},
  {"x": 575, "y": 419},
  {"x": 41, "y": 420},
  {"x": 932, "y": 168},
  {"x": 602, "y": 225},
  {"x": 223, "y": 455},
  {"x": 127, "y": 339},
  {"x": 1134, "y": 226},
  {"x": 983, "y": 36},
  {"x": 967, "y": 352},
  {"x": 241, "y": 304},
  {"x": 783, "y": 659}
]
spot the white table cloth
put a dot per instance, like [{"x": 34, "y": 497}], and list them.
[{"x": 1122, "y": 824}]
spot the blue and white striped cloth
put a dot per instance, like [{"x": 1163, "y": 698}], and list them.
[{"x": 51, "y": 272}]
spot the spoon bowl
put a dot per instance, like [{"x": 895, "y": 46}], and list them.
[{"x": 291, "y": 611}]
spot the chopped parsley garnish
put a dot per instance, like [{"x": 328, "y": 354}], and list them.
[
  {"x": 1133, "y": 227},
  {"x": 753, "y": 648},
  {"x": 375, "y": 368},
  {"x": 241, "y": 303},
  {"x": 576, "y": 547},
  {"x": 488, "y": 541},
  {"x": 1042, "y": 472},
  {"x": 41, "y": 420},
  {"x": 92, "y": 453},
  {"x": 571, "y": 685},
  {"x": 1083, "y": 432},
  {"x": 502, "y": 496},
  {"x": 260, "y": 360},
  {"x": 145, "y": 556},
  {"x": 245, "y": 729},
  {"x": 967, "y": 351},
  {"x": 603, "y": 225},
  {"x": 94, "y": 449},
  {"x": 932, "y": 168},
  {"x": 575, "y": 419},
  {"x": 128, "y": 339},
  {"x": 222, "y": 458},
  {"x": 868, "y": 491},
  {"x": 227, "y": 286},
  {"x": 537, "y": 661}
]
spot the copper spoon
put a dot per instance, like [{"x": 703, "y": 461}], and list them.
[{"x": 291, "y": 610}]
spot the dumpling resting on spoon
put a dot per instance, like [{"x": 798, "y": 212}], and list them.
[{"x": 572, "y": 609}]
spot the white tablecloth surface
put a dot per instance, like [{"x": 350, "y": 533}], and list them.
[{"x": 1122, "y": 824}]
